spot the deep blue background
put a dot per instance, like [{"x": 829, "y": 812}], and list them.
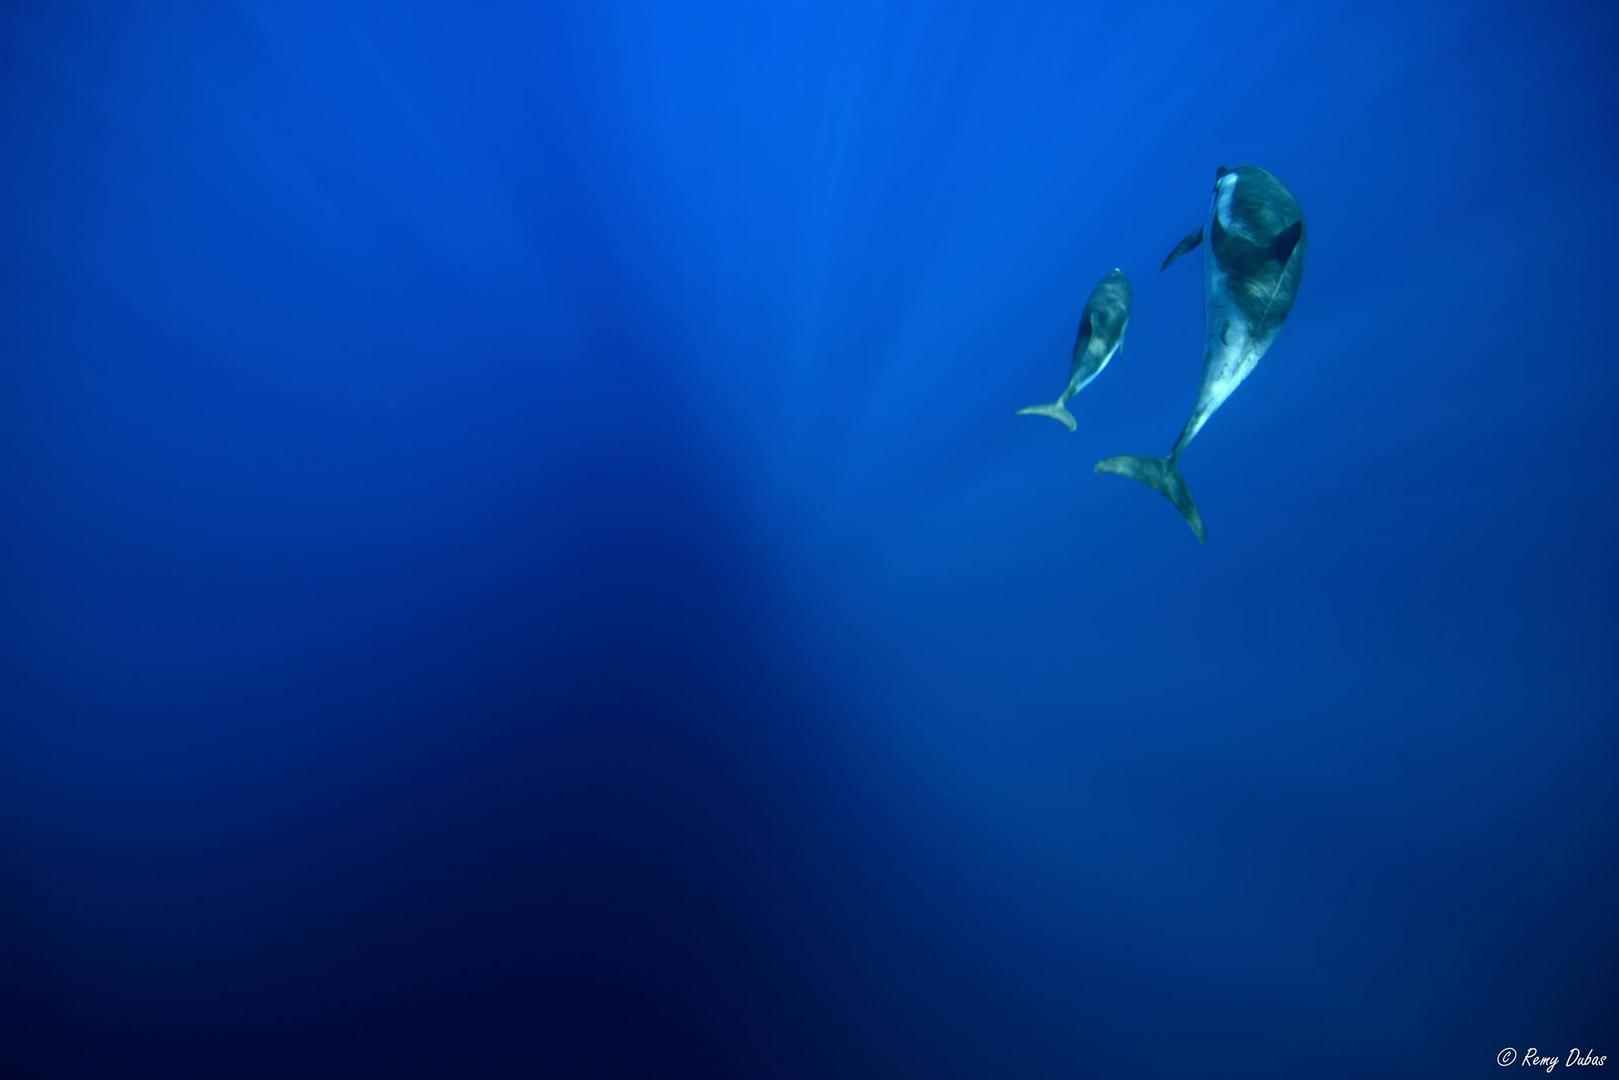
[{"x": 518, "y": 559}]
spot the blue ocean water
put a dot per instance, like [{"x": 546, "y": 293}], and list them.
[{"x": 519, "y": 560}]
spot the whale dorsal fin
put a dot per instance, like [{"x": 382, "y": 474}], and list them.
[{"x": 1191, "y": 241}]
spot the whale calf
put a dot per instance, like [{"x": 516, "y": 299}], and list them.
[
  {"x": 1100, "y": 337},
  {"x": 1251, "y": 271}
]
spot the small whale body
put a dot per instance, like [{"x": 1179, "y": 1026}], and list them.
[
  {"x": 1100, "y": 337},
  {"x": 1251, "y": 272}
]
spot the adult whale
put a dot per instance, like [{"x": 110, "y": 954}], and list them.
[
  {"x": 1100, "y": 337},
  {"x": 1251, "y": 272}
]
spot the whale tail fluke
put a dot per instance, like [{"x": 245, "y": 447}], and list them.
[
  {"x": 1055, "y": 410},
  {"x": 1163, "y": 475}
]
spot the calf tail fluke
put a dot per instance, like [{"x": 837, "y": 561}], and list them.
[
  {"x": 1163, "y": 475},
  {"x": 1055, "y": 410}
]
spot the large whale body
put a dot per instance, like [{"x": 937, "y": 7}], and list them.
[
  {"x": 1251, "y": 272},
  {"x": 1100, "y": 337}
]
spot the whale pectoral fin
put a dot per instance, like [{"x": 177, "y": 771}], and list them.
[
  {"x": 1083, "y": 337},
  {"x": 1193, "y": 239},
  {"x": 1281, "y": 248}
]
